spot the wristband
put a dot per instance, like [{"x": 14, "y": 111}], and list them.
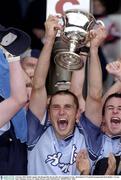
[{"x": 13, "y": 59}]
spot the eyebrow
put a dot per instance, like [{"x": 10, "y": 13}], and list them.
[
  {"x": 60, "y": 105},
  {"x": 113, "y": 106}
]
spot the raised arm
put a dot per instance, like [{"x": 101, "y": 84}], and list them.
[
  {"x": 114, "y": 68},
  {"x": 94, "y": 95},
  {"x": 18, "y": 97},
  {"x": 38, "y": 101},
  {"x": 77, "y": 82}
]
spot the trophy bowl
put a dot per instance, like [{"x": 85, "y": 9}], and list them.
[{"x": 76, "y": 27}]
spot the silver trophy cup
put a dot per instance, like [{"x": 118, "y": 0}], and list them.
[{"x": 76, "y": 27}]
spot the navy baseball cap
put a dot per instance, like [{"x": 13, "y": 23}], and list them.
[{"x": 14, "y": 40}]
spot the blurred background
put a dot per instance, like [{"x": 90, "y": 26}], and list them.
[{"x": 30, "y": 15}]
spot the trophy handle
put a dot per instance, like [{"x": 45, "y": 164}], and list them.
[
  {"x": 61, "y": 19},
  {"x": 60, "y": 22},
  {"x": 100, "y": 22}
]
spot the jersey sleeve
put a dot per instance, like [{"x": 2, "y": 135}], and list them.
[
  {"x": 93, "y": 136},
  {"x": 35, "y": 128}
]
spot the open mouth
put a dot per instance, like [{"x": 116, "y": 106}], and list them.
[
  {"x": 62, "y": 124},
  {"x": 115, "y": 120}
]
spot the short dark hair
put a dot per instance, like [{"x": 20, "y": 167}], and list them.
[
  {"x": 116, "y": 95},
  {"x": 65, "y": 92}
]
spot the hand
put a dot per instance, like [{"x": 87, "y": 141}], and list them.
[
  {"x": 51, "y": 27},
  {"x": 28, "y": 80},
  {"x": 114, "y": 68},
  {"x": 83, "y": 163},
  {"x": 111, "y": 165},
  {"x": 97, "y": 36}
]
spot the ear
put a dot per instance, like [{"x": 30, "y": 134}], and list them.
[
  {"x": 48, "y": 113},
  {"x": 103, "y": 125},
  {"x": 103, "y": 119},
  {"x": 78, "y": 115}
]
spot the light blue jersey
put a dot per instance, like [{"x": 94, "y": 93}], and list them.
[
  {"x": 19, "y": 119},
  {"x": 48, "y": 155},
  {"x": 109, "y": 145},
  {"x": 105, "y": 146}
]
